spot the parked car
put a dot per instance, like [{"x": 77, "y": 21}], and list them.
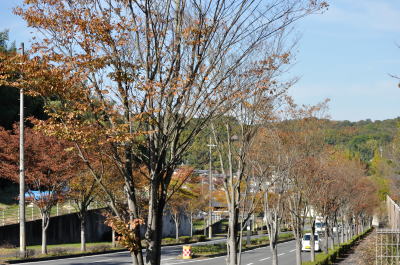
[
  {"x": 306, "y": 242},
  {"x": 337, "y": 229},
  {"x": 320, "y": 226}
]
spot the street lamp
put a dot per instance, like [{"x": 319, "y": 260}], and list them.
[
  {"x": 210, "y": 145},
  {"x": 22, "y": 240}
]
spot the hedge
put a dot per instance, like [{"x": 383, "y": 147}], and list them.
[{"x": 333, "y": 254}]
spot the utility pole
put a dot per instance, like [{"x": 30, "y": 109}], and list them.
[
  {"x": 210, "y": 145},
  {"x": 22, "y": 237}
]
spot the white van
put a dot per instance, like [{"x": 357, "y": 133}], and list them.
[
  {"x": 320, "y": 227},
  {"x": 306, "y": 242}
]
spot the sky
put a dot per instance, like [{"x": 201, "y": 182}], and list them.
[{"x": 346, "y": 54}]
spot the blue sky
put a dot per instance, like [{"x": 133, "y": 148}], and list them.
[{"x": 345, "y": 54}]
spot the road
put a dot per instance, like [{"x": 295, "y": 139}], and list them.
[{"x": 286, "y": 252}]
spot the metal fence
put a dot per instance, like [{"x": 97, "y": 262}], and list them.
[
  {"x": 393, "y": 211},
  {"x": 387, "y": 247},
  {"x": 388, "y": 239},
  {"x": 10, "y": 215}
]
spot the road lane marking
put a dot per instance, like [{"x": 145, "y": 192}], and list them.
[
  {"x": 292, "y": 250},
  {"x": 127, "y": 252},
  {"x": 250, "y": 264},
  {"x": 264, "y": 259},
  {"x": 281, "y": 254},
  {"x": 80, "y": 257},
  {"x": 200, "y": 260},
  {"x": 101, "y": 260}
]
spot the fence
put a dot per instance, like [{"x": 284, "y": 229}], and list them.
[
  {"x": 393, "y": 211},
  {"x": 388, "y": 239},
  {"x": 10, "y": 215}
]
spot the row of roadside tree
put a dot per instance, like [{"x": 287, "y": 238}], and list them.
[{"x": 127, "y": 87}]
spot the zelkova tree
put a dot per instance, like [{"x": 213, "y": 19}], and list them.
[
  {"x": 252, "y": 111},
  {"x": 179, "y": 196},
  {"x": 186, "y": 197},
  {"x": 144, "y": 70},
  {"x": 49, "y": 167},
  {"x": 303, "y": 135},
  {"x": 83, "y": 190},
  {"x": 270, "y": 163}
]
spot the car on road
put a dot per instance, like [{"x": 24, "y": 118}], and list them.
[
  {"x": 337, "y": 229},
  {"x": 306, "y": 242},
  {"x": 320, "y": 227}
]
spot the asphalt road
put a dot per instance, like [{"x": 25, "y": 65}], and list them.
[{"x": 286, "y": 252}]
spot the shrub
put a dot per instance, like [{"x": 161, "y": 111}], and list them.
[
  {"x": 7, "y": 245},
  {"x": 28, "y": 254},
  {"x": 58, "y": 251},
  {"x": 199, "y": 238},
  {"x": 184, "y": 239},
  {"x": 283, "y": 236},
  {"x": 261, "y": 232},
  {"x": 168, "y": 241},
  {"x": 100, "y": 248},
  {"x": 209, "y": 249},
  {"x": 333, "y": 254}
]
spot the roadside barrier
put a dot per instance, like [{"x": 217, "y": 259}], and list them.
[{"x": 187, "y": 252}]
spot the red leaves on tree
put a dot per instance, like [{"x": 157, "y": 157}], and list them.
[{"x": 48, "y": 166}]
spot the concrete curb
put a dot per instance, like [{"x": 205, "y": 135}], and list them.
[
  {"x": 63, "y": 256},
  {"x": 124, "y": 250},
  {"x": 83, "y": 254},
  {"x": 245, "y": 250}
]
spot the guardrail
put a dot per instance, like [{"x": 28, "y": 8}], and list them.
[{"x": 10, "y": 215}]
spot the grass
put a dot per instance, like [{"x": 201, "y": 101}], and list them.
[
  {"x": 12, "y": 253},
  {"x": 198, "y": 224},
  {"x": 7, "y": 253},
  {"x": 9, "y": 213}
]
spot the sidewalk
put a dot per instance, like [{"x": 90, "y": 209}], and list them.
[{"x": 363, "y": 253}]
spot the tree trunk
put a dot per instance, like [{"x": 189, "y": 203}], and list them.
[
  {"x": 274, "y": 251},
  {"x": 232, "y": 237},
  {"x": 204, "y": 225},
  {"x": 136, "y": 258},
  {"x": 83, "y": 233},
  {"x": 298, "y": 250},
  {"x": 273, "y": 243},
  {"x": 113, "y": 243},
  {"x": 326, "y": 239},
  {"x": 45, "y": 223},
  {"x": 176, "y": 227},
  {"x": 154, "y": 227},
  {"x": 312, "y": 241},
  {"x": 342, "y": 230},
  {"x": 191, "y": 224}
]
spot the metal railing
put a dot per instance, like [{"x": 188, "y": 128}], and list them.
[
  {"x": 388, "y": 239},
  {"x": 387, "y": 247},
  {"x": 10, "y": 215},
  {"x": 393, "y": 211}
]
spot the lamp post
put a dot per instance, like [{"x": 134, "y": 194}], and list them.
[
  {"x": 210, "y": 145},
  {"x": 22, "y": 240}
]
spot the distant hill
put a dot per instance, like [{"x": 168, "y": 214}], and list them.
[{"x": 363, "y": 137}]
